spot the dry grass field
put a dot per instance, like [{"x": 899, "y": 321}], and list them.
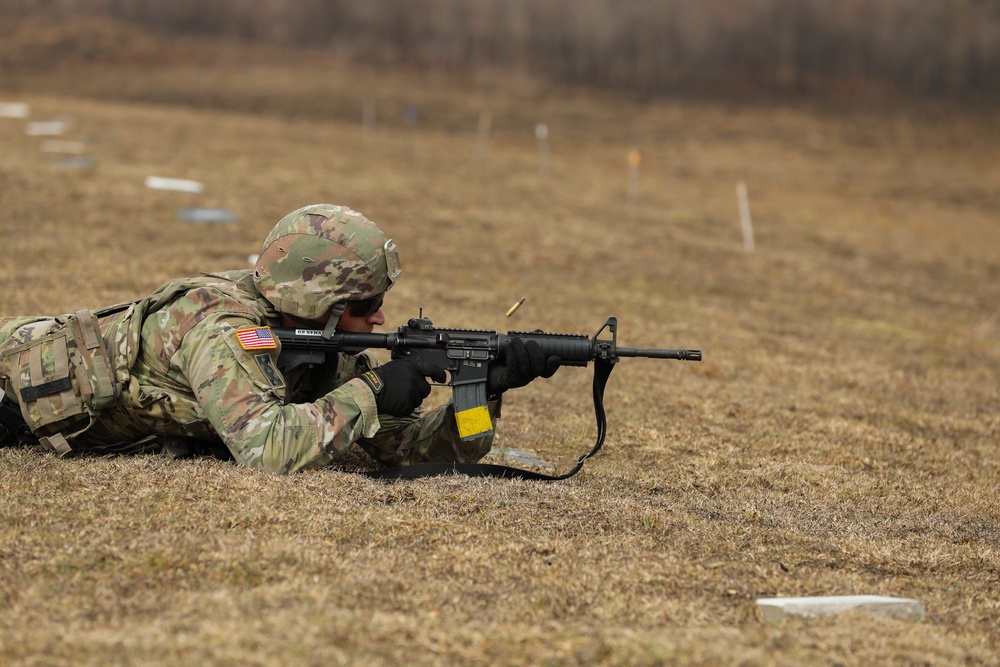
[{"x": 842, "y": 435}]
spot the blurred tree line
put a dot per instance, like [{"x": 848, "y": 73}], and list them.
[{"x": 948, "y": 48}]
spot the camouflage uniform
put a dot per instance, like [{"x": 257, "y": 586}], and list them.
[{"x": 168, "y": 371}]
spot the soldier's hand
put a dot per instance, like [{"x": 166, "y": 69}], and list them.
[
  {"x": 399, "y": 386},
  {"x": 523, "y": 363}
]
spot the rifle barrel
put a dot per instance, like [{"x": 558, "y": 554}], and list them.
[{"x": 682, "y": 355}]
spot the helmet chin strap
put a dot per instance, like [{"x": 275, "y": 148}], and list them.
[
  {"x": 328, "y": 329},
  {"x": 331, "y": 324}
]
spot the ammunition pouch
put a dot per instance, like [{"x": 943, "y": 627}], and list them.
[{"x": 60, "y": 372}]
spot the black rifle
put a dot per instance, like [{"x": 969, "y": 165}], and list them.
[{"x": 466, "y": 354}]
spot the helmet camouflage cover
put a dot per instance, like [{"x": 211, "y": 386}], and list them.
[{"x": 319, "y": 257}]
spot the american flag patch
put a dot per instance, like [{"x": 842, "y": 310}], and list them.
[{"x": 256, "y": 338}]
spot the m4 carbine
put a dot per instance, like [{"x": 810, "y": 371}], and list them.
[{"x": 467, "y": 353}]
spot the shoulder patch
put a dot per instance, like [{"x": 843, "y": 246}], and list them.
[
  {"x": 256, "y": 338},
  {"x": 266, "y": 365}
]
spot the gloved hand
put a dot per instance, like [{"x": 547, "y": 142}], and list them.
[
  {"x": 399, "y": 386},
  {"x": 524, "y": 362}
]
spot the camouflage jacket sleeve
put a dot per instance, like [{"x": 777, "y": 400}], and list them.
[{"x": 241, "y": 394}]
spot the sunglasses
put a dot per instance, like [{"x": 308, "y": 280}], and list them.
[{"x": 366, "y": 307}]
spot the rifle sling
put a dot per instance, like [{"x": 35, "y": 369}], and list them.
[{"x": 602, "y": 371}]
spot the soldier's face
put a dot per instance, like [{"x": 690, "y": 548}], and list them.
[{"x": 355, "y": 324}]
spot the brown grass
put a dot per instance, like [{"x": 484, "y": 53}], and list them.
[{"x": 840, "y": 437}]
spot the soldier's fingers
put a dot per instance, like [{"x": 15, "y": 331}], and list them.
[
  {"x": 423, "y": 388},
  {"x": 433, "y": 371},
  {"x": 536, "y": 358},
  {"x": 517, "y": 356}
]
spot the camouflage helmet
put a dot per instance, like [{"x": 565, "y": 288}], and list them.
[{"x": 319, "y": 257}]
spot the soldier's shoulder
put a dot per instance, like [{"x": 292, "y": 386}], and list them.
[
  {"x": 175, "y": 311},
  {"x": 202, "y": 295}
]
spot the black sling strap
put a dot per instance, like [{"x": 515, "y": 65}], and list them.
[{"x": 602, "y": 371}]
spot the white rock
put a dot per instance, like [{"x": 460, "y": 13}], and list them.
[
  {"x": 521, "y": 457},
  {"x": 206, "y": 215},
  {"x": 178, "y": 184},
  {"x": 46, "y": 128},
  {"x": 779, "y": 609},
  {"x": 13, "y": 110},
  {"x": 57, "y": 146}
]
